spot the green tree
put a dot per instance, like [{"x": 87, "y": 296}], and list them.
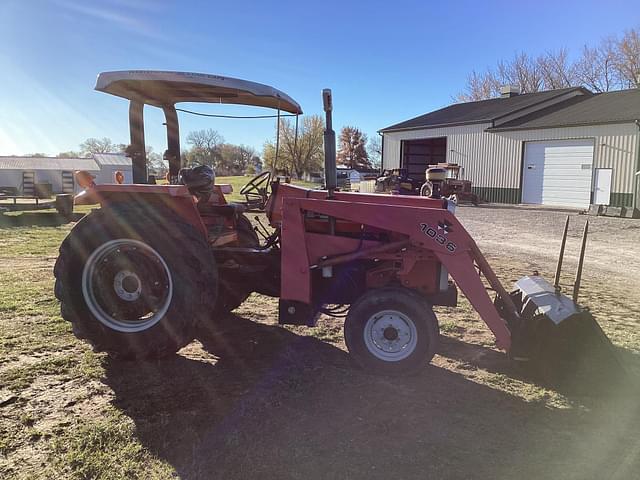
[{"x": 69, "y": 154}]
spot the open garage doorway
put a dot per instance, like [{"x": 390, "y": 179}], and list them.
[{"x": 418, "y": 155}]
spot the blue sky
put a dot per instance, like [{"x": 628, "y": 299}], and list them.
[{"x": 385, "y": 61}]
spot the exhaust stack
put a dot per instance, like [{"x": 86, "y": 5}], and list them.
[{"x": 330, "y": 175}]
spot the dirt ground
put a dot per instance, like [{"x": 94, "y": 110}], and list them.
[{"x": 250, "y": 399}]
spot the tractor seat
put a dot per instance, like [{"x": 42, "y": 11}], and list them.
[{"x": 228, "y": 210}]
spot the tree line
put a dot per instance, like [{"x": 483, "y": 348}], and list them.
[
  {"x": 301, "y": 150},
  {"x": 612, "y": 64},
  {"x": 206, "y": 147}
]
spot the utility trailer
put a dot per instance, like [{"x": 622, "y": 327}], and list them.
[{"x": 136, "y": 277}]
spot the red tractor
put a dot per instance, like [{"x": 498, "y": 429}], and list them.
[
  {"x": 452, "y": 186},
  {"x": 137, "y": 276}
]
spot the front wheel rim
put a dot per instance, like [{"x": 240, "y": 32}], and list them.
[
  {"x": 390, "y": 336},
  {"x": 127, "y": 285}
]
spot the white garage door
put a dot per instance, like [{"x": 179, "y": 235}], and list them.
[{"x": 558, "y": 173}]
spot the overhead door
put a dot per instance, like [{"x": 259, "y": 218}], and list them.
[
  {"x": 418, "y": 155},
  {"x": 558, "y": 173}
]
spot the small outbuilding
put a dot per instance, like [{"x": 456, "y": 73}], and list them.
[
  {"x": 567, "y": 147},
  {"x": 52, "y": 175}
]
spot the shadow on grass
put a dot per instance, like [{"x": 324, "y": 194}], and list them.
[
  {"x": 587, "y": 380},
  {"x": 279, "y": 405},
  {"x": 37, "y": 219}
]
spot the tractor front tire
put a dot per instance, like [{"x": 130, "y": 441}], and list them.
[
  {"x": 426, "y": 189},
  {"x": 134, "y": 286},
  {"x": 391, "y": 331}
]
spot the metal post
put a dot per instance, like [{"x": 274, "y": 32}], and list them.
[
  {"x": 556, "y": 281},
  {"x": 576, "y": 285},
  {"x": 136, "y": 149},
  {"x": 277, "y": 139}
]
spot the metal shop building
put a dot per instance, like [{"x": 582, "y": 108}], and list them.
[
  {"x": 27, "y": 175},
  {"x": 567, "y": 147}
]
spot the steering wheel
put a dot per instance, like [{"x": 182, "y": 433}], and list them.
[{"x": 256, "y": 191}]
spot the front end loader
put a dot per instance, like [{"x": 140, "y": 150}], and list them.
[{"x": 137, "y": 276}]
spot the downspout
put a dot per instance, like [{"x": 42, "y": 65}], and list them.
[
  {"x": 636, "y": 176},
  {"x": 381, "y": 152}
]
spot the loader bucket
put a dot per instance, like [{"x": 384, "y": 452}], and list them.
[{"x": 561, "y": 340}]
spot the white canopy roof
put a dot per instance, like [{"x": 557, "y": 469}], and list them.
[{"x": 168, "y": 88}]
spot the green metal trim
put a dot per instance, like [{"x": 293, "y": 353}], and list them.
[
  {"x": 621, "y": 199},
  {"x": 498, "y": 194}
]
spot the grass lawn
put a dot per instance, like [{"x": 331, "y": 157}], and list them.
[
  {"x": 240, "y": 181},
  {"x": 252, "y": 399}
]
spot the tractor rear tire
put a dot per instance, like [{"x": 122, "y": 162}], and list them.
[
  {"x": 133, "y": 286},
  {"x": 231, "y": 295},
  {"x": 391, "y": 331}
]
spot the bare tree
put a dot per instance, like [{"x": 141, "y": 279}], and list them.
[
  {"x": 480, "y": 86},
  {"x": 297, "y": 155},
  {"x": 97, "y": 145},
  {"x": 352, "y": 150},
  {"x": 628, "y": 58},
  {"x": 522, "y": 71},
  {"x": 205, "y": 148},
  {"x": 556, "y": 70},
  {"x": 596, "y": 68},
  {"x": 374, "y": 150}
]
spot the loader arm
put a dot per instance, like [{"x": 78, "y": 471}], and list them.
[{"x": 433, "y": 231}]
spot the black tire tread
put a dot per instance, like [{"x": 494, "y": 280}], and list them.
[
  {"x": 400, "y": 298},
  {"x": 194, "y": 247}
]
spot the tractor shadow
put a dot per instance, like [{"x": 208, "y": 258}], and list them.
[
  {"x": 588, "y": 385},
  {"x": 264, "y": 402},
  {"x": 37, "y": 219}
]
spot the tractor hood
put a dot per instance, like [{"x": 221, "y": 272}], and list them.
[{"x": 168, "y": 88}]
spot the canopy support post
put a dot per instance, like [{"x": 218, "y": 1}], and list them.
[
  {"x": 277, "y": 140},
  {"x": 136, "y": 149},
  {"x": 172, "y": 155}
]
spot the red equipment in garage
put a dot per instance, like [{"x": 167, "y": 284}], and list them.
[{"x": 137, "y": 276}]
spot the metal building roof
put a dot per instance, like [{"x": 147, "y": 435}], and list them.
[
  {"x": 612, "y": 107},
  {"x": 483, "y": 110},
  {"x": 47, "y": 163},
  {"x": 118, "y": 159}
]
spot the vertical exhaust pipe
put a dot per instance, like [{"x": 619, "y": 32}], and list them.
[
  {"x": 330, "y": 175},
  {"x": 556, "y": 281},
  {"x": 576, "y": 285}
]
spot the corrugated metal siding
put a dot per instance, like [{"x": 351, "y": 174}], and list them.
[
  {"x": 494, "y": 159},
  {"x": 47, "y": 163},
  {"x": 116, "y": 159}
]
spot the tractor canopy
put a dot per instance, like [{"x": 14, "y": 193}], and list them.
[
  {"x": 161, "y": 89},
  {"x": 165, "y": 89}
]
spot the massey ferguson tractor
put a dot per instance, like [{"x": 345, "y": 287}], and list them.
[{"x": 137, "y": 276}]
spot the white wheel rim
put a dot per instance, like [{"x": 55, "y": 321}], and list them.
[
  {"x": 390, "y": 336},
  {"x": 127, "y": 293}
]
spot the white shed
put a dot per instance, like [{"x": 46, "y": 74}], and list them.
[
  {"x": 25, "y": 175},
  {"x": 109, "y": 164}
]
